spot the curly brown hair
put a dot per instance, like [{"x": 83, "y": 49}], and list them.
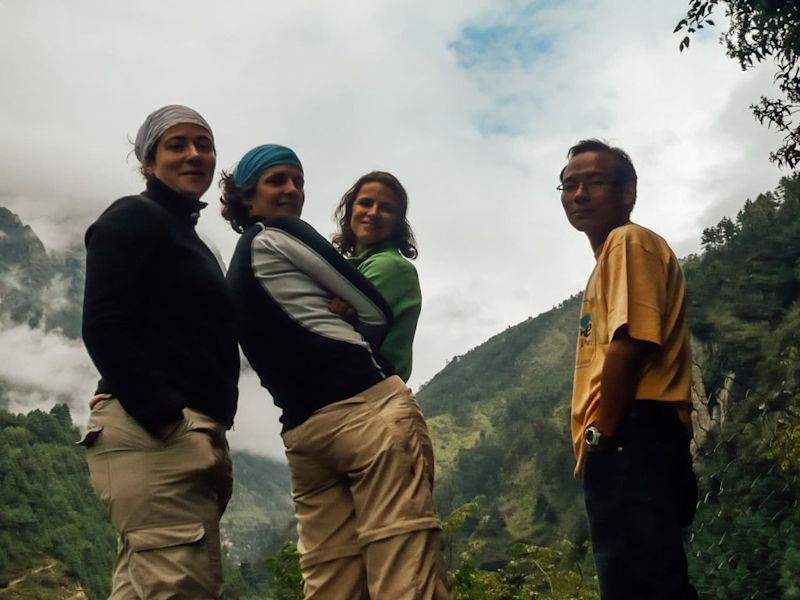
[
  {"x": 235, "y": 201},
  {"x": 402, "y": 237}
]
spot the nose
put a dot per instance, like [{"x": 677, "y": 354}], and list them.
[
  {"x": 290, "y": 187},
  {"x": 581, "y": 193},
  {"x": 193, "y": 151}
]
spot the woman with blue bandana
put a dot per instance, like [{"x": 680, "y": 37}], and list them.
[
  {"x": 157, "y": 322},
  {"x": 377, "y": 238},
  {"x": 359, "y": 454}
]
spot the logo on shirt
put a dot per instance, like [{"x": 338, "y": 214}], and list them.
[{"x": 586, "y": 325}]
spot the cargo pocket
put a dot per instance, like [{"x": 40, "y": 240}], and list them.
[
  {"x": 422, "y": 448},
  {"x": 410, "y": 433},
  {"x": 99, "y": 475},
  {"x": 89, "y": 438},
  {"x": 172, "y": 560}
]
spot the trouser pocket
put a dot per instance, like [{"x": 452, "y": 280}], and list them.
[
  {"x": 98, "y": 465},
  {"x": 173, "y": 561}
]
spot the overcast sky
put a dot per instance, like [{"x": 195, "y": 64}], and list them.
[{"x": 472, "y": 104}]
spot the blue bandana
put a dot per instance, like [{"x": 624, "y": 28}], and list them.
[{"x": 261, "y": 158}]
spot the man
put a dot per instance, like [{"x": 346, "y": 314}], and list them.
[{"x": 631, "y": 396}]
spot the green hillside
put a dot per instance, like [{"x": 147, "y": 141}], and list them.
[
  {"x": 260, "y": 516},
  {"x": 55, "y": 539},
  {"x": 499, "y": 414},
  {"x": 49, "y": 512},
  {"x": 499, "y": 421}
]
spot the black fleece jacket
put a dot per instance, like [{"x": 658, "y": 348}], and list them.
[{"x": 157, "y": 317}]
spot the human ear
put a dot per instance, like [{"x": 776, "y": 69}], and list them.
[{"x": 629, "y": 195}]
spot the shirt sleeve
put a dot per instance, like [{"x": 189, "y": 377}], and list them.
[
  {"x": 635, "y": 285},
  {"x": 397, "y": 281},
  {"x": 121, "y": 247},
  {"x": 314, "y": 256}
]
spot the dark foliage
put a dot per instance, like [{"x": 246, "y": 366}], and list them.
[
  {"x": 48, "y": 509},
  {"x": 758, "y": 30}
]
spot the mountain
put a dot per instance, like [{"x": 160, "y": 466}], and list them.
[
  {"x": 499, "y": 421},
  {"x": 38, "y": 289},
  {"x": 55, "y": 540},
  {"x": 260, "y": 515},
  {"x": 49, "y": 515},
  {"x": 498, "y": 416}
]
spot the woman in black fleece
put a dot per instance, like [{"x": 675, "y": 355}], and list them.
[{"x": 157, "y": 324}]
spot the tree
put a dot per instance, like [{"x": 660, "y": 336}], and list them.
[{"x": 760, "y": 29}]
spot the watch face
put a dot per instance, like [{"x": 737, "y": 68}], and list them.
[{"x": 592, "y": 436}]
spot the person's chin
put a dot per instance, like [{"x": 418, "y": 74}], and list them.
[
  {"x": 290, "y": 212},
  {"x": 193, "y": 192},
  {"x": 368, "y": 240}
]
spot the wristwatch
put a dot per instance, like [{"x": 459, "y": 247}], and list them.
[{"x": 593, "y": 437}]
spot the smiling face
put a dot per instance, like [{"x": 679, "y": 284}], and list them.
[
  {"x": 374, "y": 215},
  {"x": 593, "y": 199},
  {"x": 279, "y": 193},
  {"x": 184, "y": 160}
]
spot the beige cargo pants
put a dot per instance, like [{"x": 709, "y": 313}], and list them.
[
  {"x": 362, "y": 480},
  {"x": 165, "y": 499}
]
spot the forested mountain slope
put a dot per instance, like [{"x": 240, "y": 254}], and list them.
[
  {"x": 499, "y": 419},
  {"x": 47, "y": 509},
  {"x": 54, "y": 536},
  {"x": 55, "y": 539},
  {"x": 260, "y": 516},
  {"x": 499, "y": 415}
]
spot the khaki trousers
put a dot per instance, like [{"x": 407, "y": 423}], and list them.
[
  {"x": 362, "y": 481},
  {"x": 165, "y": 499}
]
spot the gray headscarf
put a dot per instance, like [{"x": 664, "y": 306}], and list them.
[{"x": 158, "y": 121}]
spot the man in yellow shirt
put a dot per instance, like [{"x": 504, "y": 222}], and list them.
[{"x": 631, "y": 395}]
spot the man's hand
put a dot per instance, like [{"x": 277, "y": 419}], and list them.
[{"x": 344, "y": 310}]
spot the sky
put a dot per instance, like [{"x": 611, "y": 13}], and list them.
[{"x": 472, "y": 104}]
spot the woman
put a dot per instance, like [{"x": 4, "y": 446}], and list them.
[
  {"x": 157, "y": 322},
  {"x": 358, "y": 450},
  {"x": 374, "y": 232}
]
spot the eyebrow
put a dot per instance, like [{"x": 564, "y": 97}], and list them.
[
  {"x": 587, "y": 175},
  {"x": 182, "y": 138}
]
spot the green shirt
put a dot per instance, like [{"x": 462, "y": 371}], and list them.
[{"x": 396, "y": 279}]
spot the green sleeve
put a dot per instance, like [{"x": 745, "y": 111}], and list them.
[{"x": 396, "y": 279}]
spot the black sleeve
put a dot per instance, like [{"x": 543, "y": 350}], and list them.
[{"x": 121, "y": 247}]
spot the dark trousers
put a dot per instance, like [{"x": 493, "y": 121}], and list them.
[{"x": 641, "y": 494}]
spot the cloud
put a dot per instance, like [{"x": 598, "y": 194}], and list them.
[
  {"x": 472, "y": 104},
  {"x": 40, "y": 368},
  {"x": 257, "y": 428}
]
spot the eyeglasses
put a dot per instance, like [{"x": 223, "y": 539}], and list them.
[{"x": 593, "y": 184}]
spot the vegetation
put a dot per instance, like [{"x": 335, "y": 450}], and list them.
[
  {"x": 260, "y": 515},
  {"x": 49, "y": 512},
  {"x": 499, "y": 419},
  {"x": 744, "y": 304},
  {"x": 508, "y": 484},
  {"x": 257, "y": 523},
  {"x": 758, "y": 30}
]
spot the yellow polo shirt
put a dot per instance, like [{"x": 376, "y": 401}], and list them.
[{"x": 637, "y": 282}]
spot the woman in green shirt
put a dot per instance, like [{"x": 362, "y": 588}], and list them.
[{"x": 376, "y": 236}]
